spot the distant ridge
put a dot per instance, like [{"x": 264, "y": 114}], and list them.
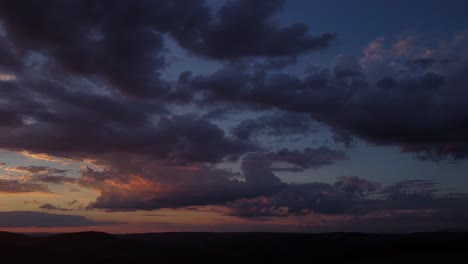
[
  {"x": 12, "y": 236},
  {"x": 87, "y": 235},
  {"x": 8, "y": 239},
  {"x": 177, "y": 247}
]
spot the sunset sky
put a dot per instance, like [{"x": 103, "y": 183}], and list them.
[{"x": 245, "y": 115}]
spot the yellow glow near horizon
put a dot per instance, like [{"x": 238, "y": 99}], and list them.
[
  {"x": 4, "y": 77},
  {"x": 45, "y": 157}
]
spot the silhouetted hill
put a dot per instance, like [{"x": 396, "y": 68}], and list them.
[
  {"x": 221, "y": 247},
  {"x": 7, "y": 238},
  {"x": 83, "y": 236}
]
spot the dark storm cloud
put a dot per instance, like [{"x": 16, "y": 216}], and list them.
[
  {"x": 65, "y": 102},
  {"x": 88, "y": 39},
  {"x": 438, "y": 151},
  {"x": 342, "y": 136},
  {"x": 121, "y": 44},
  {"x": 414, "y": 188},
  {"x": 60, "y": 120},
  {"x": 246, "y": 28},
  {"x": 385, "y": 101},
  {"x": 38, "y": 219},
  {"x": 257, "y": 171},
  {"x": 9, "y": 118},
  {"x": 39, "y": 169},
  {"x": 51, "y": 207},
  {"x": 146, "y": 184},
  {"x": 283, "y": 159},
  {"x": 154, "y": 186},
  {"x": 422, "y": 62},
  {"x": 43, "y": 174},
  {"x": 55, "y": 116},
  {"x": 9, "y": 60},
  {"x": 122, "y": 41},
  {"x": 188, "y": 138},
  {"x": 357, "y": 186},
  {"x": 238, "y": 84},
  {"x": 174, "y": 138},
  {"x": 302, "y": 199},
  {"x": 14, "y": 186},
  {"x": 361, "y": 200},
  {"x": 274, "y": 125},
  {"x": 51, "y": 179}
]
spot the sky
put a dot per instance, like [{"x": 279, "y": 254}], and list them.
[{"x": 279, "y": 116}]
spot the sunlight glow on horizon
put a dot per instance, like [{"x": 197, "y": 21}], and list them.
[{"x": 5, "y": 77}]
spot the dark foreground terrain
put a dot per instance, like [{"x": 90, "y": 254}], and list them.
[{"x": 225, "y": 247}]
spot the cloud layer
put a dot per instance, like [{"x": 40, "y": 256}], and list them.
[{"x": 37, "y": 219}]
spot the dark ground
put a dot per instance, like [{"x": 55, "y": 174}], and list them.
[{"x": 441, "y": 247}]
